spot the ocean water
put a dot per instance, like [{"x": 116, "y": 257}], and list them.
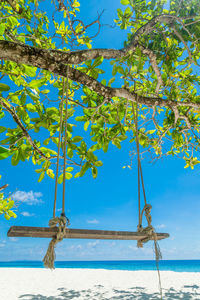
[{"x": 130, "y": 265}]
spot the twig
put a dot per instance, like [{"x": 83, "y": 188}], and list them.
[
  {"x": 3, "y": 187},
  {"x": 26, "y": 134}
]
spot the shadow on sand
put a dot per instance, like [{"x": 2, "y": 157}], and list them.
[{"x": 134, "y": 293}]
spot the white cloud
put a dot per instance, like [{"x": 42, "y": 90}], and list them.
[
  {"x": 26, "y": 214},
  {"x": 13, "y": 239},
  {"x": 75, "y": 247},
  {"x": 2, "y": 244},
  {"x": 113, "y": 244},
  {"x": 93, "y": 244},
  {"x": 30, "y": 198},
  {"x": 79, "y": 247},
  {"x": 134, "y": 248},
  {"x": 160, "y": 226},
  {"x": 93, "y": 221}
]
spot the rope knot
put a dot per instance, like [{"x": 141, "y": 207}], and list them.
[
  {"x": 149, "y": 230},
  {"x": 50, "y": 256}
]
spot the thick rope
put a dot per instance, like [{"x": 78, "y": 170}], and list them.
[
  {"x": 61, "y": 221},
  {"x": 151, "y": 235},
  {"x": 149, "y": 231},
  {"x": 65, "y": 144},
  {"x": 59, "y": 145},
  {"x": 50, "y": 255}
]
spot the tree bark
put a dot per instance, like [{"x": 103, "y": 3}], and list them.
[{"x": 52, "y": 61}]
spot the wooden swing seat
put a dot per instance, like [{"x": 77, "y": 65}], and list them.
[{"x": 48, "y": 232}]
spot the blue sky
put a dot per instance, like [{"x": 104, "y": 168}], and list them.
[{"x": 110, "y": 201}]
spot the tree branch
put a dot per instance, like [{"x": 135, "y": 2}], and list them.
[
  {"x": 150, "y": 26},
  {"x": 25, "y": 132},
  {"x": 47, "y": 60},
  {"x": 13, "y": 5}
]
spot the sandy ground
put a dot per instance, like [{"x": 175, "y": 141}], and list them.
[{"x": 43, "y": 284}]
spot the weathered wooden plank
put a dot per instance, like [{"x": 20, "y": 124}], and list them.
[{"x": 47, "y": 232}]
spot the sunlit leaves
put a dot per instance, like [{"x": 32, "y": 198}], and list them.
[
  {"x": 6, "y": 206},
  {"x": 4, "y": 152},
  {"x": 87, "y": 123},
  {"x": 67, "y": 176},
  {"x": 37, "y": 83},
  {"x": 77, "y": 139},
  {"x": 2, "y": 28},
  {"x": 4, "y": 87},
  {"x": 124, "y": 2},
  {"x": 30, "y": 71},
  {"x": 92, "y": 123},
  {"x": 191, "y": 162}
]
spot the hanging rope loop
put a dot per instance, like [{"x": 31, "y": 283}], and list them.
[
  {"x": 50, "y": 255},
  {"x": 62, "y": 221},
  {"x": 149, "y": 231},
  {"x": 67, "y": 220}
]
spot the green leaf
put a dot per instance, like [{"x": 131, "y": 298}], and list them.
[
  {"x": 2, "y": 115},
  {"x": 4, "y": 87},
  {"x": 77, "y": 175},
  {"x": 7, "y": 217},
  {"x": 60, "y": 179},
  {"x": 94, "y": 172},
  {"x": 124, "y": 2},
  {"x": 151, "y": 131},
  {"x": 10, "y": 204},
  {"x": 111, "y": 81},
  {"x": 105, "y": 147},
  {"x": 80, "y": 119},
  {"x": 36, "y": 83},
  {"x": 98, "y": 61},
  {"x": 128, "y": 11},
  {"x": 13, "y": 21},
  {"x": 23, "y": 98},
  {"x": 41, "y": 176},
  {"x": 46, "y": 142},
  {"x": 39, "y": 170},
  {"x": 77, "y": 139},
  {"x": 116, "y": 143},
  {"x": 98, "y": 163},
  {"x": 4, "y": 152},
  {"x": 70, "y": 152},
  {"x": 50, "y": 173},
  {"x": 114, "y": 70},
  {"x": 12, "y": 214},
  {"x": 30, "y": 71},
  {"x": 85, "y": 167},
  {"x": 91, "y": 155},
  {"x": 2, "y": 129},
  {"x": 87, "y": 123},
  {"x": 30, "y": 107},
  {"x": 70, "y": 169},
  {"x": 15, "y": 158},
  {"x": 2, "y": 28},
  {"x": 67, "y": 176}
]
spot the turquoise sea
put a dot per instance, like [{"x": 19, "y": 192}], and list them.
[{"x": 130, "y": 265}]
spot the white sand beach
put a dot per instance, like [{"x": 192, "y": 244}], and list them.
[{"x": 43, "y": 284}]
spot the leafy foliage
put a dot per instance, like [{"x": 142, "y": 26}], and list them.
[
  {"x": 6, "y": 206},
  {"x": 162, "y": 65}
]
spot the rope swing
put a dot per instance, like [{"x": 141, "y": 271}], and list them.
[
  {"x": 59, "y": 226},
  {"x": 149, "y": 230},
  {"x": 61, "y": 221}
]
